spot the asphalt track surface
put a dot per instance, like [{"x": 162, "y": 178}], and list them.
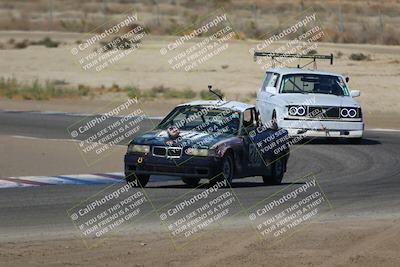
[
  {"x": 55, "y": 125},
  {"x": 361, "y": 179}
]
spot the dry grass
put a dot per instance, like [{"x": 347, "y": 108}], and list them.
[
  {"x": 344, "y": 21},
  {"x": 13, "y": 44},
  {"x": 11, "y": 88},
  {"x": 359, "y": 57}
]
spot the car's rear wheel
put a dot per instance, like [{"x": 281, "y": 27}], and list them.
[
  {"x": 137, "y": 180},
  {"x": 277, "y": 172},
  {"x": 191, "y": 181}
]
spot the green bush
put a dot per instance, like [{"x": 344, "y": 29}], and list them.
[
  {"x": 312, "y": 52},
  {"x": 188, "y": 93},
  {"x": 8, "y": 87},
  {"x": 207, "y": 95},
  {"x": 21, "y": 45},
  {"x": 359, "y": 57},
  {"x": 11, "y": 88},
  {"x": 183, "y": 94},
  {"x": 47, "y": 42},
  {"x": 133, "y": 91},
  {"x": 33, "y": 91},
  {"x": 149, "y": 94},
  {"x": 83, "y": 90},
  {"x": 172, "y": 94},
  {"x": 160, "y": 89}
]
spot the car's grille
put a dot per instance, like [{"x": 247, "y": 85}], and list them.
[
  {"x": 159, "y": 151},
  {"x": 174, "y": 152},
  {"x": 323, "y": 112},
  {"x": 167, "y": 152}
]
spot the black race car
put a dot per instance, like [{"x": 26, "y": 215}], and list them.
[{"x": 216, "y": 140}]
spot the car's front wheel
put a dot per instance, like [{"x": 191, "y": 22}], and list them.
[
  {"x": 191, "y": 181},
  {"x": 137, "y": 180},
  {"x": 277, "y": 172},
  {"x": 227, "y": 170}
]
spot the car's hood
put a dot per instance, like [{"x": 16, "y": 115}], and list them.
[
  {"x": 185, "y": 139},
  {"x": 319, "y": 100}
]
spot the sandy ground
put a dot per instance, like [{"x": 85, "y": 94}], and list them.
[
  {"x": 377, "y": 79},
  {"x": 344, "y": 242}
]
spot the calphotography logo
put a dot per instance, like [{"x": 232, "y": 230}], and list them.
[
  {"x": 299, "y": 36},
  {"x": 278, "y": 216},
  {"x": 187, "y": 217},
  {"x": 107, "y": 48},
  {"x": 210, "y": 38},
  {"x": 109, "y": 211},
  {"x": 99, "y": 135}
]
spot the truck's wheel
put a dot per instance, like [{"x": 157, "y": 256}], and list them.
[
  {"x": 277, "y": 172},
  {"x": 191, "y": 181},
  {"x": 142, "y": 180}
]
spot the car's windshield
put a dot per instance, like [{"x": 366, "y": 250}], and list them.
[
  {"x": 314, "y": 84},
  {"x": 202, "y": 118}
]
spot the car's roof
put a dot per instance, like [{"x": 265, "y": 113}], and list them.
[
  {"x": 233, "y": 105},
  {"x": 283, "y": 71}
]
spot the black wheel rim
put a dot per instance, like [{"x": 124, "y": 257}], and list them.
[
  {"x": 227, "y": 169},
  {"x": 278, "y": 168}
]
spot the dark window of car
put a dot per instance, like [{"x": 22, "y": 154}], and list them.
[
  {"x": 314, "y": 84},
  {"x": 202, "y": 118},
  {"x": 271, "y": 79},
  {"x": 249, "y": 118}
]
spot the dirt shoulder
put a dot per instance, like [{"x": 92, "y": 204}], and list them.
[{"x": 344, "y": 242}]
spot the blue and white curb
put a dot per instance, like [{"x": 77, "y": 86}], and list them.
[{"x": 77, "y": 179}]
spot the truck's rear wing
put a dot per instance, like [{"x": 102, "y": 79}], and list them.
[{"x": 273, "y": 56}]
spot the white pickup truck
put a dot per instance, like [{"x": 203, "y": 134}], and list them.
[{"x": 310, "y": 103}]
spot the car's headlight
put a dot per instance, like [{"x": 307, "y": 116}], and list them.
[
  {"x": 197, "y": 152},
  {"x": 296, "y": 110},
  {"x": 138, "y": 148},
  {"x": 348, "y": 112}
]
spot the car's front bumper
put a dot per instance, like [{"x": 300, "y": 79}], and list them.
[
  {"x": 320, "y": 128},
  {"x": 192, "y": 167}
]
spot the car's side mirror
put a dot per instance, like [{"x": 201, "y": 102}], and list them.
[
  {"x": 271, "y": 90},
  {"x": 355, "y": 93},
  {"x": 347, "y": 79}
]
